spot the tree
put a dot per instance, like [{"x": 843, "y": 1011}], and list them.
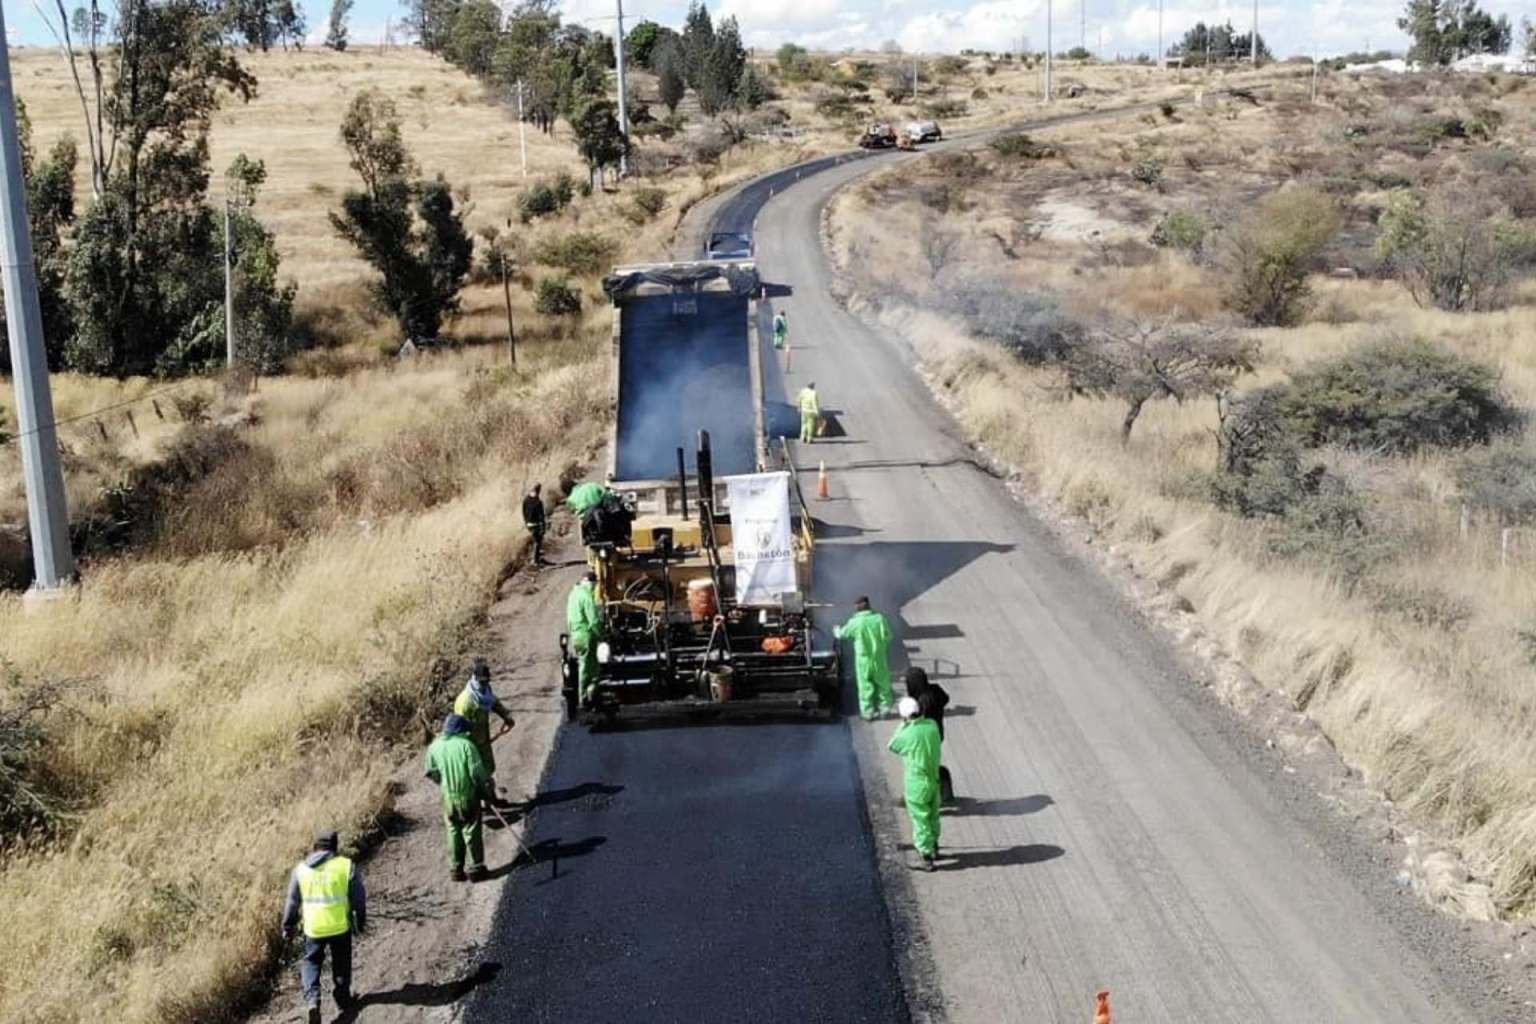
[
  {"x": 890, "y": 48},
  {"x": 751, "y": 90},
  {"x": 1445, "y": 30},
  {"x": 792, "y": 60},
  {"x": 1138, "y": 363},
  {"x": 50, "y": 212},
  {"x": 1268, "y": 256},
  {"x": 598, "y": 137},
  {"x": 722, "y": 69},
  {"x": 432, "y": 21},
  {"x": 1528, "y": 37},
  {"x": 474, "y": 36},
  {"x": 642, "y": 42},
  {"x": 336, "y": 31},
  {"x": 1454, "y": 253},
  {"x": 420, "y": 250},
  {"x": 670, "y": 78},
  {"x": 144, "y": 273},
  {"x": 698, "y": 43}
]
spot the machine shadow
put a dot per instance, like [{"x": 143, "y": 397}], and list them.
[
  {"x": 423, "y": 994},
  {"x": 548, "y": 851}
]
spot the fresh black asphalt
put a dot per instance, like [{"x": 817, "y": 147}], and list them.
[
  {"x": 696, "y": 872},
  {"x": 685, "y": 871}
]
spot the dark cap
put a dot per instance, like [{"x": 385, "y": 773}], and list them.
[
  {"x": 480, "y": 669},
  {"x": 917, "y": 681},
  {"x": 326, "y": 839},
  {"x": 589, "y": 576},
  {"x": 862, "y": 602}
]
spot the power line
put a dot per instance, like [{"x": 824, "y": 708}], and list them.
[{"x": 147, "y": 396}]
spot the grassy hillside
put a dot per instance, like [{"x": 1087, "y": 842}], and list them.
[{"x": 1403, "y": 627}]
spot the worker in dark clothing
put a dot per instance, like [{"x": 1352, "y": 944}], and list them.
[
  {"x": 326, "y": 893},
  {"x": 533, "y": 518},
  {"x": 932, "y": 699}
]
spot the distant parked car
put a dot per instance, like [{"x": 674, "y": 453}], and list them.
[
  {"x": 924, "y": 131},
  {"x": 730, "y": 245},
  {"x": 878, "y": 136}
]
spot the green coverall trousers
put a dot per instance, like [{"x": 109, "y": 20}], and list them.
[{"x": 464, "y": 833}]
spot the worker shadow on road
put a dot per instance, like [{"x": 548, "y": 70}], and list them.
[
  {"x": 593, "y": 796},
  {"x": 423, "y": 993},
  {"x": 970, "y": 806},
  {"x": 1028, "y": 853},
  {"x": 838, "y": 531},
  {"x": 777, "y": 291}
]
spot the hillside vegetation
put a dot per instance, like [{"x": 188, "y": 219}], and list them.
[{"x": 1282, "y": 356}]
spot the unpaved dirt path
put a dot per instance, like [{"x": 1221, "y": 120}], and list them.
[{"x": 423, "y": 952}]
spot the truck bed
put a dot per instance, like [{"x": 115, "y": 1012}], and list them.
[{"x": 685, "y": 362}]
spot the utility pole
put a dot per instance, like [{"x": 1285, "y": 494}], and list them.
[
  {"x": 1159, "y": 33},
  {"x": 914, "y": 79},
  {"x": 1253, "y": 42},
  {"x": 47, "y": 516},
  {"x": 229, "y": 290},
  {"x": 522, "y": 127},
  {"x": 1048, "y": 44},
  {"x": 618, "y": 44},
  {"x": 1082, "y": 29}
]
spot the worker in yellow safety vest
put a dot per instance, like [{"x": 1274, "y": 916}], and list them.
[
  {"x": 326, "y": 893},
  {"x": 809, "y": 410}
]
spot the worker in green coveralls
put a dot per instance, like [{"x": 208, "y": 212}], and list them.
[
  {"x": 917, "y": 741},
  {"x": 871, "y": 636}
]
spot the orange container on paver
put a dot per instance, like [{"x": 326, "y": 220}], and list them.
[{"x": 702, "y": 606}]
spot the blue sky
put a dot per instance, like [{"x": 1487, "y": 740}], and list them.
[{"x": 1127, "y": 26}]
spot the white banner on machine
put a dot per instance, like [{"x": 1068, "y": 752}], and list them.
[{"x": 761, "y": 537}]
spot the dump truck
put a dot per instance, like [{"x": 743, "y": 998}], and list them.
[
  {"x": 878, "y": 136},
  {"x": 703, "y": 547}
]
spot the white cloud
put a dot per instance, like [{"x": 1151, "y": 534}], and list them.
[{"x": 989, "y": 25}]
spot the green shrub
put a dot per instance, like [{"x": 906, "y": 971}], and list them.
[
  {"x": 580, "y": 252},
  {"x": 1331, "y": 529},
  {"x": 645, "y": 204},
  {"x": 1166, "y": 109},
  {"x": 1019, "y": 146},
  {"x": 1268, "y": 256},
  {"x": 1148, "y": 172},
  {"x": 557, "y": 298},
  {"x": 1501, "y": 480},
  {"x": 1179, "y": 229},
  {"x": 1398, "y": 397},
  {"x": 546, "y": 197}
]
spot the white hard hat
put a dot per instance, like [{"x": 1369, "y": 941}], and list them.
[{"x": 907, "y": 707}]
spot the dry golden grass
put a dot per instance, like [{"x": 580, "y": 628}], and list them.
[{"x": 1418, "y": 673}]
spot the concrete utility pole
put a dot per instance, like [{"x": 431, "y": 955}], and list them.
[
  {"x": 229, "y": 290},
  {"x": 1048, "y": 44},
  {"x": 618, "y": 44},
  {"x": 1159, "y": 33},
  {"x": 1253, "y": 41},
  {"x": 1082, "y": 28},
  {"x": 914, "y": 79},
  {"x": 522, "y": 127},
  {"x": 47, "y": 516}
]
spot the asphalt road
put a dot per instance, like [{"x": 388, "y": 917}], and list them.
[
  {"x": 1116, "y": 829},
  {"x": 697, "y": 872}
]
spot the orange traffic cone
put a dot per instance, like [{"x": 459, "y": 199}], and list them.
[
  {"x": 1101, "y": 1011},
  {"x": 821, "y": 482}
]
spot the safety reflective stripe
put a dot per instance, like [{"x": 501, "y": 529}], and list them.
[{"x": 326, "y": 904}]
